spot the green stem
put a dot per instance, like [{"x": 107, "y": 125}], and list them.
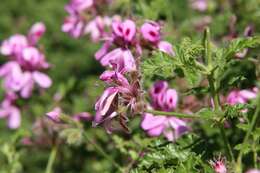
[
  {"x": 218, "y": 107},
  {"x": 203, "y": 68},
  {"x": 213, "y": 91},
  {"x": 255, "y": 155},
  {"x": 175, "y": 114},
  {"x": 103, "y": 153},
  {"x": 251, "y": 127},
  {"x": 51, "y": 159},
  {"x": 228, "y": 147}
]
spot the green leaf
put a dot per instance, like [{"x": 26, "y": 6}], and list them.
[
  {"x": 224, "y": 55},
  {"x": 246, "y": 148},
  {"x": 160, "y": 65},
  {"x": 170, "y": 157},
  {"x": 256, "y": 134},
  {"x": 186, "y": 55},
  {"x": 237, "y": 45},
  {"x": 234, "y": 111},
  {"x": 243, "y": 127},
  {"x": 236, "y": 79},
  {"x": 192, "y": 76},
  {"x": 163, "y": 65},
  {"x": 207, "y": 113}
]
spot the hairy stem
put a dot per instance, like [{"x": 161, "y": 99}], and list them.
[
  {"x": 213, "y": 91},
  {"x": 174, "y": 114},
  {"x": 51, "y": 159},
  {"x": 217, "y": 106},
  {"x": 251, "y": 127},
  {"x": 228, "y": 147}
]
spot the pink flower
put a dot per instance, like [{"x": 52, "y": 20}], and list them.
[
  {"x": 114, "y": 77},
  {"x": 126, "y": 63},
  {"x": 157, "y": 94},
  {"x": 241, "y": 96},
  {"x": 125, "y": 30},
  {"x": 79, "y": 5},
  {"x": 7, "y": 68},
  {"x": 219, "y": 165},
  {"x": 103, "y": 50},
  {"x": 32, "y": 59},
  {"x": 170, "y": 99},
  {"x": 41, "y": 79},
  {"x": 14, "y": 45},
  {"x": 22, "y": 49},
  {"x": 14, "y": 78},
  {"x": 119, "y": 93},
  {"x": 96, "y": 28},
  {"x": 166, "y": 47},
  {"x": 171, "y": 127},
  {"x": 158, "y": 88},
  {"x": 200, "y": 5},
  {"x": 55, "y": 114},
  {"x": 23, "y": 82},
  {"x": 18, "y": 81},
  {"x": 151, "y": 32},
  {"x": 21, "y": 72},
  {"x": 36, "y": 32},
  {"x": 164, "y": 99},
  {"x": 76, "y": 24},
  {"x": 253, "y": 171},
  {"x": 106, "y": 106},
  {"x": 11, "y": 112},
  {"x": 126, "y": 90},
  {"x": 121, "y": 59},
  {"x": 73, "y": 26}
]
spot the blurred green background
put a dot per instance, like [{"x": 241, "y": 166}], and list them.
[{"x": 75, "y": 71}]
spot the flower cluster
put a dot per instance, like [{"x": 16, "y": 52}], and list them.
[
  {"x": 127, "y": 43},
  {"x": 130, "y": 43},
  {"x": 80, "y": 20},
  {"x": 122, "y": 47},
  {"x": 165, "y": 99},
  {"x": 22, "y": 71}
]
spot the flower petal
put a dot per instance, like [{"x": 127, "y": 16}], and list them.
[
  {"x": 150, "y": 121},
  {"x": 42, "y": 79},
  {"x": 14, "y": 120}
]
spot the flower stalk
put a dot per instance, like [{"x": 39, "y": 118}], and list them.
[
  {"x": 51, "y": 160},
  {"x": 251, "y": 127},
  {"x": 174, "y": 114},
  {"x": 213, "y": 91}
]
